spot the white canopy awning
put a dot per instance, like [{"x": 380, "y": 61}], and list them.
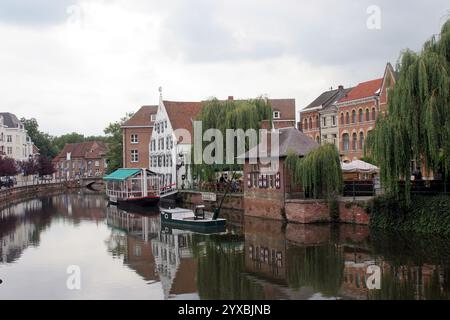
[{"x": 359, "y": 166}]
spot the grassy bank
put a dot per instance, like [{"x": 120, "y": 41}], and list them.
[{"x": 425, "y": 214}]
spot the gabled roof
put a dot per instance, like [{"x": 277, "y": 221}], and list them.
[
  {"x": 10, "y": 120},
  {"x": 286, "y": 108},
  {"x": 182, "y": 114},
  {"x": 363, "y": 90},
  {"x": 142, "y": 118},
  {"x": 87, "y": 150},
  {"x": 327, "y": 98},
  {"x": 290, "y": 139}
]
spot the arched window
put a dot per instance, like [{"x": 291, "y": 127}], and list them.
[
  {"x": 317, "y": 122},
  {"x": 353, "y": 116},
  {"x": 374, "y": 114},
  {"x": 347, "y": 118},
  {"x": 305, "y": 126},
  {"x": 310, "y": 123},
  {"x": 361, "y": 115},
  {"x": 342, "y": 118},
  {"x": 367, "y": 115},
  {"x": 318, "y": 139},
  {"x": 346, "y": 142},
  {"x": 354, "y": 141},
  {"x": 361, "y": 140}
]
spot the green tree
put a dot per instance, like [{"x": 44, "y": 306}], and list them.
[
  {"x": 41, "y": 140},
  {"x": 319, "y": 173},
  {"x": 114, "y": 139},
  {"x": 230, "y": 114},
  {"x": 417, "y": 124}
]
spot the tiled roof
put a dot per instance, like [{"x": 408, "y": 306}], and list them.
[
  {"x": 181, "y": 114},
  {"x": 142, "y": 118},
  {"x": 327, "y": 98},
  {"x": 363, "y": 90},
  {"x": 291, "y": 139},
  {"x": 87, "y": 150},
  {"x": 285, "y": 106},
  {"x": 10, "y": 120}
]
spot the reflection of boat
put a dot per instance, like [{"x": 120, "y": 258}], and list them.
[
  {"x": 138, "y": 187},
  {"x": 187, "y": 219}
]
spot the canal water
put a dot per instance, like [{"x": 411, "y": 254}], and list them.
[{"x": 76, "y": 247}]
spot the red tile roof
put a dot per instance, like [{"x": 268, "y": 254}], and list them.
[
  {"x": 86, "y": 150},
  {"x": 363, "y": 90},
  {"x": 285, "y": 106},
  {"x": 181, "y": 114},
  {"x": 142, "y": 118}
]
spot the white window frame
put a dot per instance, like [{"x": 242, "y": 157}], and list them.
[
  {"x": 134, "y": 138},
  {"x": 277, "y": 115},
  {"x": 134, "y": 156}
]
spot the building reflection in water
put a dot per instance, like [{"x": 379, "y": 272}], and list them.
[{"x": 255, "y": 259}]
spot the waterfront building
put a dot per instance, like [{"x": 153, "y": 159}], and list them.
[
  {"x": 319, "y": 119},
  {"x": 137, "y": 132},
  {"x": 358, "y": 111},
  {"x": 171, "y": 142},
  {"x": 81, "y": 160},
  {"x": 15, "y": 142},
  {"x": 266, "y": 185}
]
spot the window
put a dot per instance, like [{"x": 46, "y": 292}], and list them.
[
  {"x": 162, "y": 143},
  {"x": 353, "y": 116},
  {"x": 342, "y": 118},
  {"x": 134, "y": 156},
  {"x": 305, "y": 126},
  {"x": 162, "y": 127},
  {"x": 9, "y": 150},
  {"x": 324, "y": 121},
  {"x": 8, "y": 138},
  {"x": 97, "y": 163},
  {"x": 167, "y": 142},
  {"x": 333, "y": 120},
  {"x": 134, "y": 139},
  {"x": 374, "y": 114},
  {"x": 334, "y": 138},
  {"x": 310, "y": 123},
  {"x": 361, "y": 115},
  {"x": 165, "y": 124},
  {"x": 355, "y": 141},
  {"x": 276, "y": 115},
  {"x": 345, "y": 141},
  {"x": 347, "y": 118},
  {"x": 361, "y": 140},
  {"x": 317, "y": 122},
  {"x": 367, "y": 115},
  {"x": 152, "y": 117}
]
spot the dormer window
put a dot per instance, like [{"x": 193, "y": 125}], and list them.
[
  {"x": 152, "y": 117},
  {"x": 276, "y": 114}
]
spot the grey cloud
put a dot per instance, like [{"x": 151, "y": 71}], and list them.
[{"x": 34, "y": 12}]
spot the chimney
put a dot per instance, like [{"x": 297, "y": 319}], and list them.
[
  {"x": 341, "y": 87},
  {"x": 231, "y": 98}
]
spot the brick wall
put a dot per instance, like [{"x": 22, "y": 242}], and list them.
[
  {"x": 143, "y": 147},
  {"x": 316, "y": 211}
]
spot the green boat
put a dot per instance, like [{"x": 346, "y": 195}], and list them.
[{"x": 191, "y": 220}]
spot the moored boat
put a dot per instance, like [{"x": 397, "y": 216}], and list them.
[
  {"x": 137, "y": 187},
  {"x": 191, "y": 220}
]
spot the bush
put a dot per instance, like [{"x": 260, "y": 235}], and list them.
[{"x": 425, "y": 214}]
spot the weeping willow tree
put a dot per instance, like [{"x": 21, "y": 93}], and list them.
[
  {"x": 319, "y": 173},
  {"x": 417, "y": 124},
  {"x": 230, "y": 114}
]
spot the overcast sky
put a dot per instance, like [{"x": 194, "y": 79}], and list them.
[{"x": 77, "y": 65}]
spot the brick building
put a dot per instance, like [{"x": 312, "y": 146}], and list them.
[
  {"x": 137, "y": 132},
  {"x": 87, "y": 159},
  {"x": 358, "y": 111},
  {"x": 283, "y": 113},
  {"x": 318, "y": 120},
  {"x": 265, "y": 187}
]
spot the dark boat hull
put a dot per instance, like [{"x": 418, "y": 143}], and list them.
[{"x": 139, "y": 202}]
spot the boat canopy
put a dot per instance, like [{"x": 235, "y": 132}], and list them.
[
  {"x": 125, "y": 174},
  {"x": 359, "y": 166}
]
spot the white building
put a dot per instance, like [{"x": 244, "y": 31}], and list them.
[
  {"x": 14, "y": 140},
  {"x": 170, "y": 150}
]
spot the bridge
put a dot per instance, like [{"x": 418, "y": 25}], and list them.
[{"x": 93, "y": 183}]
